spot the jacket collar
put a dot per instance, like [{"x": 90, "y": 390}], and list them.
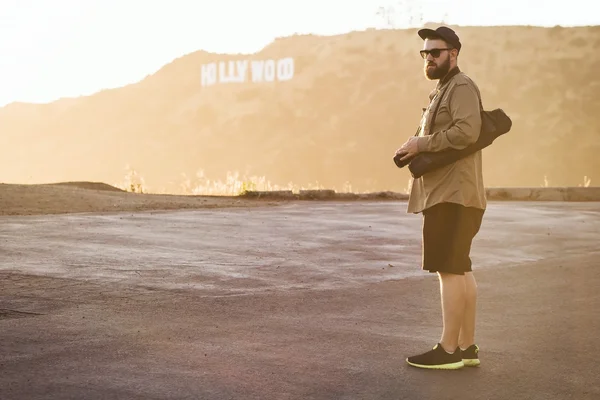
[{"x": 454, "y": 71}]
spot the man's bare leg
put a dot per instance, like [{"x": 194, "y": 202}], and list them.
[
  {"x": 453, "y": 294},
  {"x": 467, "y": 329}
]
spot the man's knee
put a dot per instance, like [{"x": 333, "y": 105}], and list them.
[{"x": 451, "y": 275}]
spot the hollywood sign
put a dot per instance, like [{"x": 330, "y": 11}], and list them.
[{"x": 238, "y": 72}]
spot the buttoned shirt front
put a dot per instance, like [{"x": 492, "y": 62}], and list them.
[{"x": 456, "y": 126}]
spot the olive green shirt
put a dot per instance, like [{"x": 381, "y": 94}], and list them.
[{"x": 457, "y": 125}]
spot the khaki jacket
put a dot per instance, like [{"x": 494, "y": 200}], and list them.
[{"x": 457, "y": 125}]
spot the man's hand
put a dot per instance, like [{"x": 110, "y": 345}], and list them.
[{"x": 410, "y": 148}]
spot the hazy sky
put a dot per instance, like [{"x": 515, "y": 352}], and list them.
[{"x": 61, "y": 48}]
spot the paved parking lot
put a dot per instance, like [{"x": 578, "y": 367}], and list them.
[{"x": 300, "y": 300}]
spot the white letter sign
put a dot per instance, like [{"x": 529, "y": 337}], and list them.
[
  {"x": 269, "y": 71},
  {"x": 209, "y": 74},
  {"x": 285, "y": 69},
  {"x": 238, "y": 72}
]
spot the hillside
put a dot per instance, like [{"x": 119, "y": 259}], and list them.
[{"x": 352, "y": 100}]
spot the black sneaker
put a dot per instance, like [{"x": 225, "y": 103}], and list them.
[
  {"x": 470, "y": 356},
  {"x": 437, "y": 358}
]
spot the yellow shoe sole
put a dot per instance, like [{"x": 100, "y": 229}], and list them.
[
  {"x": 472, "y": 363},
  {"x": 456, "y": 365}
]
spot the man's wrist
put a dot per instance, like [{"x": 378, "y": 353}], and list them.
[{"x": 422, "y": 143}]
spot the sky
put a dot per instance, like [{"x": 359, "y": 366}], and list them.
[{"x": 68, "y": 48}]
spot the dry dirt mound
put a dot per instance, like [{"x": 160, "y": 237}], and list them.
[
  {"x": 353, "y": 99},
  {"x": 59, "y": 199},
  {"x": 90, "y": 185}
]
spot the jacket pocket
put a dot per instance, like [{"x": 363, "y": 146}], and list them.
[{"x": 443, "y": 118}]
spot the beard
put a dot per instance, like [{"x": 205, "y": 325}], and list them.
[{"x": 438, "y": 71}]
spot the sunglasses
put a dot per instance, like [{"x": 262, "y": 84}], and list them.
[{"x": 434, "y": 52}]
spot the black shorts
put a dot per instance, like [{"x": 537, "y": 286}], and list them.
[{"x": 448, "y": 231}]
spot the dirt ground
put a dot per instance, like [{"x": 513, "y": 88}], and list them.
[
  {"x": 290, "y": 300},
  {"x": 82, "y": 197}
]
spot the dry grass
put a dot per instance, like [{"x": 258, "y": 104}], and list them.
[
  {"x": 234, "y": 184},
  {"x": 586, "y": 182}
]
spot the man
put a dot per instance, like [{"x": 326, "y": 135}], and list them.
[{"x": 452, "y": 198}]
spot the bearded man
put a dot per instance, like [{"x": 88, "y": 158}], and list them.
[{"x": 452, "y": 198}]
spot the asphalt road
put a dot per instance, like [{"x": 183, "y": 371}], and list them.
[{"x": 304, "y": 300}]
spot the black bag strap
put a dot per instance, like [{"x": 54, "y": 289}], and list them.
[
  {"x": 478, "y": 93},
  {"x": 440, "y": 95},
  {"x": 437, "y": 106}
]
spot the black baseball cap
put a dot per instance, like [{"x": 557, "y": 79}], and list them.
[{"x": 444, "y": 33}]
